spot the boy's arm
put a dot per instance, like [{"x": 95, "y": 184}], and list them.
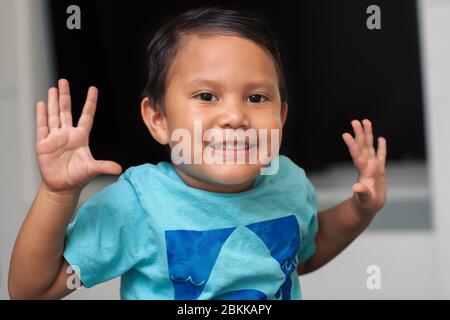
[
  {"x": 38, "y": 269},
  {"x": 340, "y": 225}
]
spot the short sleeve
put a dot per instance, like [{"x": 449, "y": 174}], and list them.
[
  {"x": 108, "y": 235},
  {"x": 309, "y": 224}
]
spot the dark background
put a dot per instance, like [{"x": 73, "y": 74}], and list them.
[{"x": 336, "y": 70}]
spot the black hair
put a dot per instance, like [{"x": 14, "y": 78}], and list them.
[{"x": 165, "y": 44}]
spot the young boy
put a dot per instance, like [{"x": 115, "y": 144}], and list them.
[{"x": 191, "y": 229}]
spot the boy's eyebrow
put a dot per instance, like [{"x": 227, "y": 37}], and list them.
[
  {"x": 203, "y": 82},
  {"x": 262, "y": 83},
  {"x": 251, "y": 84}
]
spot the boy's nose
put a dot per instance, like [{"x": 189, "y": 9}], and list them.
[{"x": 234, "y": 116}]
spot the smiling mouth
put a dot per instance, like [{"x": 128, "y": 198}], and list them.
[{"x": 231, "y": 146}]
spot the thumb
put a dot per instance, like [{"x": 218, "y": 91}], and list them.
[
  {"x": 360, "y": 188},
  {"x": 362, "y": 191},
  {"x": 107, "y": 167}
]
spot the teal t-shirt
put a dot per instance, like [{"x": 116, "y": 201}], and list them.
[{"x": 168, "y": 240}]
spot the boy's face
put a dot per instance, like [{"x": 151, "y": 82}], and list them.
[{"x": 222, "y": 83}]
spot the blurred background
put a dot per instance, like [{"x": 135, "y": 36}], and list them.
[{"x": 336, "y": 70}]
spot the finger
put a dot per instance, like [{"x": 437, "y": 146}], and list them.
[
  {"x": 353, "y": 147},
  {"x": 65, "y": 104},
  {"x": 107, "y": 167},
  {"x": 369, "y": 135},
  {"x": 355, "y": 151},
  {"x": 53, "y": 109},
  {"x": 87, "y": 116},
  {"x": 359, "y": 133},
  {"x": 382, "y": 150},
  {"x": 41, "y": 121}
]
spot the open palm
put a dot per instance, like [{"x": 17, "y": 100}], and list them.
[
  {"x": 64, "y": 158},
  {"x": 370, "y": 188}
]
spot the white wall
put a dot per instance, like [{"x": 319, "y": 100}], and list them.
[
  {"x": 435, "y": 18},
  {"x": 17, "y": 85},
  {"x": 413, "y": 263}
]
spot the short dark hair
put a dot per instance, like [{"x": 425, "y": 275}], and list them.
[{"x": 165, "y": 44}]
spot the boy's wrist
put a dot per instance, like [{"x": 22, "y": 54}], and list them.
[
  {"x": 63, "y": 197},
  {"x": 362, "y": 215}
]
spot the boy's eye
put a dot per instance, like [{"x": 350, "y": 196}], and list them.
[
  {"x": 206, "y": 96},
  {"x": 257, "y": 98}
]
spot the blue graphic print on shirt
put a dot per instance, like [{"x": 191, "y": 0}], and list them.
[{"x": 192, "y": 255}]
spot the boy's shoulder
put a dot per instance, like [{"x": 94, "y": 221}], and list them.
[
  {"x": 147, "y": 171},
  {"x": 291, "y": 181},
  {"x": 289, "y": 170},
  {"x": 150, "y": 178},
  {"x": 289, "y": 166},
  {"x": 118, "y": 198},
  {"x": 124, "y": 188}
]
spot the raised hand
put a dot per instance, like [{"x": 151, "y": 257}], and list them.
[
  {"x": 62, "y": 150},
  {"x": 370, "y": 188}
]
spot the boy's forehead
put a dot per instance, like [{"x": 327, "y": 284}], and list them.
[
  {"x": 215, "y": 56},
  {"x": 210, "y": 46}
]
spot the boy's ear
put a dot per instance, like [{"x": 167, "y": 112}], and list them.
[
  {"x": 155, "y": 121},
  {"x": 283, "y": 115}
]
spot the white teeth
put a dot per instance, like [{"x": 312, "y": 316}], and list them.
[{"x": 239, "y": 145}]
